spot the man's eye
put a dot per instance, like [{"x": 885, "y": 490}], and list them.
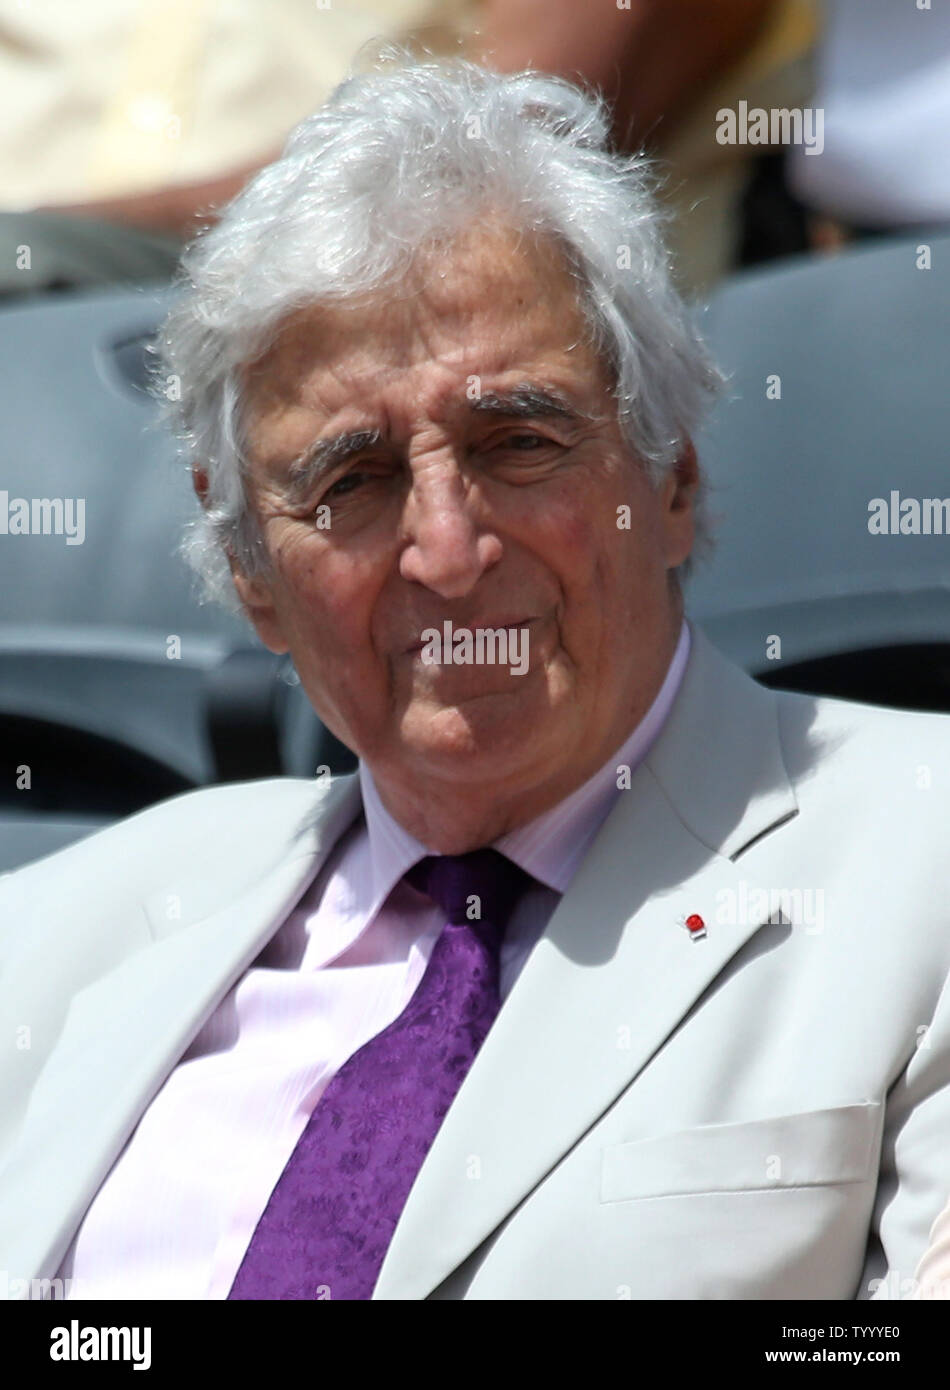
[
  {"x": 518, "y": 440},
  {"x": 344, "y": 485}
]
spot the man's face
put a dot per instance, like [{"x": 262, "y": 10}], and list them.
[{"x": 455, "y": 506}]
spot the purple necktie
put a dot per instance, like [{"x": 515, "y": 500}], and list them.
[{"x": 329, "y": 1221}]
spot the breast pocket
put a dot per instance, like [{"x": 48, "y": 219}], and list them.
[{"x": 816, "y": 1148}]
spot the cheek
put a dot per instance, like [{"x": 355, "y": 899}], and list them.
[
  {"x": 564, "y": 530},
  {"x": 595, "y": 557},
  {"x": 597, "y": 528},
  {"x": 301, "y": 581},
  {"x": 326, "y": 594},
  {"x": 579, "y": 535}
]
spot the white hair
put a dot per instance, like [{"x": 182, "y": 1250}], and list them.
[{"x": 392, "y": 161}]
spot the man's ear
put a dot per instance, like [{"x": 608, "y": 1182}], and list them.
[{"x": 678, "y": 494}]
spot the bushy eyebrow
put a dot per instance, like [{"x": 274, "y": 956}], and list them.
[
  {"x": 323, "y": 456},
  {"x": 526, "y": 402},
  {"x": 523, "y": 402}
]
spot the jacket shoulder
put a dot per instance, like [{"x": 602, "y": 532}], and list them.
[
  {"x": 848, "y": 744},
  {"x": 855, "y": 719}
]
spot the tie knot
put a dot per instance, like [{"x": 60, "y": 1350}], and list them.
[{"x": 453, "y": 880}]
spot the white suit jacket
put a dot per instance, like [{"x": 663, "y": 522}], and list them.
[{"x": 762, "y": 1111}]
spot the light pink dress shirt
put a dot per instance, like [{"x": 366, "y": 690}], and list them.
[
  {"x": 932, "y": 1276},
  {"x": 175, "y": 1215}
]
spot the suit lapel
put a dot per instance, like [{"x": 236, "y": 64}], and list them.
[
  {"x": 125, "y": 1033},
  {"x": 613, "y": 974}
]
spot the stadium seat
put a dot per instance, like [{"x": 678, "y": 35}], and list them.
[{"x": 858, "y": 344}]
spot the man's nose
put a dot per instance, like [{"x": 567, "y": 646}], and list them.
[{"x": 449, "y": 547}]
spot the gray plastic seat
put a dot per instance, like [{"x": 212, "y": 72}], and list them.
[
  {"x": 77, "y": 422},
  {"x": 861, "y": 344}
]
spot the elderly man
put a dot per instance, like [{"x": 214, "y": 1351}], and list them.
[{"x": 610, "y": 973}]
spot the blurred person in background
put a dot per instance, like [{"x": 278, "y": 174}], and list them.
[
  {"x": 127, "y": 124},
  {"x": 883, "y": 82}
]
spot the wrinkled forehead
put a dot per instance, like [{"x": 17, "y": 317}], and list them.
[{"x": 488, "y": 299}]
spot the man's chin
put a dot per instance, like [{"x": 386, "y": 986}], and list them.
[{"x": 497, "y": 729}]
